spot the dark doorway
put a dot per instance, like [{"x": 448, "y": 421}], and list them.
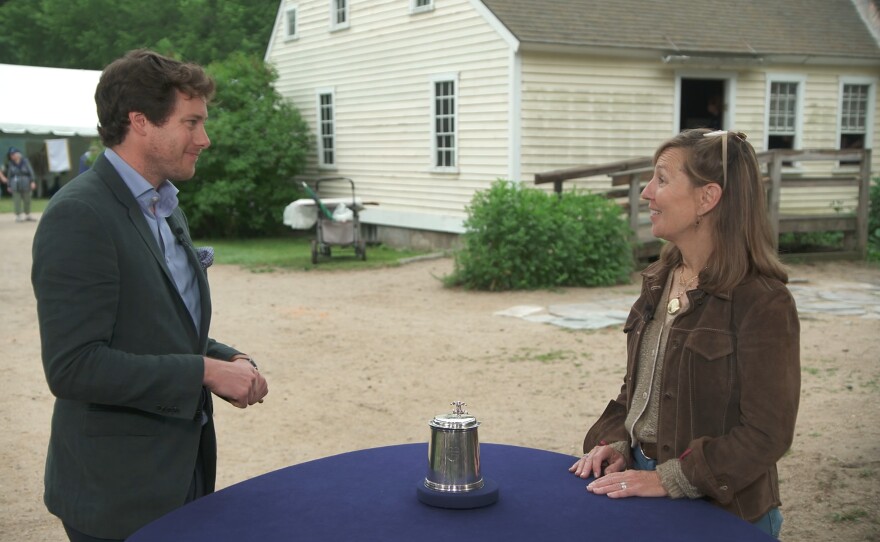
[{"x": 702, "y": 104}]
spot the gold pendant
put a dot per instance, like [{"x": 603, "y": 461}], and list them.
[{"x": 673, "y": 306}]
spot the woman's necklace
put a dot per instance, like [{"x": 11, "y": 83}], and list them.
[{"x": 674, "y": 304}]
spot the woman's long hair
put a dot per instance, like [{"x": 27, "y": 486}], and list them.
[{"x": 741, "y": 234}]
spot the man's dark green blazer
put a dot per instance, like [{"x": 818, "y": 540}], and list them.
[{"x": 122, "y": 357}]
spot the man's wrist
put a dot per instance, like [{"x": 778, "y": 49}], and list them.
[{"x": 247, "y": 359}]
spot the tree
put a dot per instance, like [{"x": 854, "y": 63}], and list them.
[
  {"x": 216, "y": 28},
  {"x": 89, "y": 34},
  {"x": 258, "y": 143}
]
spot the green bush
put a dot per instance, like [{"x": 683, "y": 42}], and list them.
[
  {"x": 874, "y": 221},
  {"x": 811, "y": 241},
  {"x": 258, "y": 143},
  {"x": 524, "y": 238}
]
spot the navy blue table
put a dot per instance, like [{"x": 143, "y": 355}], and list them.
[{"x": 371, "y": 495}]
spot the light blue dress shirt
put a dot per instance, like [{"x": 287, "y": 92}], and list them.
[{"x": 157, "y": 205}]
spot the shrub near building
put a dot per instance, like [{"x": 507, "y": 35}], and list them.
[
  {"x": 874, "y": 221},
  {"x": 525, "y": 238}
]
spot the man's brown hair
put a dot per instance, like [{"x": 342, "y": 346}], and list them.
[{"x": 146, "y": 82}]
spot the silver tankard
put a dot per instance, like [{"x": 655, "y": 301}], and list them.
[
  {"x": 454, "y": 452},
  {"x": 454, "y": 479}
]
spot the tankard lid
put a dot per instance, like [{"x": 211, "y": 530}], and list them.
[{"x": 457, "y": 419}]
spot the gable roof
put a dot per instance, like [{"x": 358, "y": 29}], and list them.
[
  {"x": 802, "y": 29},
  {"x": 40, "y": 100}
]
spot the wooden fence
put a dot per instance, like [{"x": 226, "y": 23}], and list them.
[{"x": 629, "y": 177}]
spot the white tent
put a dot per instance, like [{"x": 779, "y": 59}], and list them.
[{"x": 37, "y": 100}]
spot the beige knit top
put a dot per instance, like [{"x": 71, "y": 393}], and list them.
[{"x": 641, "y": 419}]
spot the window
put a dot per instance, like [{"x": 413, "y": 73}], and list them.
[
  {"x": 784, "y": 113},
  {"x": 853, "y": 116},
  {"x": 856, "y": 114},
  {"x": 418, "y": 6},
  {"x": 326, "y": 129},
  {"x": 444, "y": 125},
  {"x": 339, "y": 14},
  {"x": 290, "y": 21}
]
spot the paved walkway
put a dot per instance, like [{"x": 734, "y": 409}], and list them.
[{"x": 852, "y": 299}]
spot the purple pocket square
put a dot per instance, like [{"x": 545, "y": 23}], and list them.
[{"x": 206, "y": 257}]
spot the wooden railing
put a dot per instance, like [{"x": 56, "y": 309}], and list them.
[{"x": 628, "y": 178}]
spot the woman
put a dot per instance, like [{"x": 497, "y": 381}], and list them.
[
  {"x": 710, "y": 397},
  {"x": 20, "y": 178}
]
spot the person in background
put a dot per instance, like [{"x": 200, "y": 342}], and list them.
[
  {"x": 88, "y": 158},
  {"x": 20, "y": 181},
  {"x": 710, "y": 397},
  {"x": 124, "y": 311},
  {"x": 714, "y": 108}
]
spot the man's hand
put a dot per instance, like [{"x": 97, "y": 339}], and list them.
[{"x": 236, "y": 381}]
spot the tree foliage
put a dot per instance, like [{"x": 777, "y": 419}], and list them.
[
  {"x": 89, "y": 34},
  {"x": 258, "y": 143}
]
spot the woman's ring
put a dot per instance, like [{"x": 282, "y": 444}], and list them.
[{"x": 622, "y": 485}]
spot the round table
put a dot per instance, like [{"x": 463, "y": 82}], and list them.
[{"x": 372, "y": 495}]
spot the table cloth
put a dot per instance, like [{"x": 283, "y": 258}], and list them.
[{"x": 372, "y": 495}]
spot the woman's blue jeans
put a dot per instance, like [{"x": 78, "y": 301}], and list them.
[{"x": 770, "y": 523}]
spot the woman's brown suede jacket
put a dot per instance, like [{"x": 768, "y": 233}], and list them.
[{"x": 729, "y": 389}]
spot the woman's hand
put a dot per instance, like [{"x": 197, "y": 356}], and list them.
[
  {"x": 591, "y": 463},
  {"x": 630, "y": 483}
]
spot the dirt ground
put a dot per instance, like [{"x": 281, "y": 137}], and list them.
[{"x": 362, "y": 359}]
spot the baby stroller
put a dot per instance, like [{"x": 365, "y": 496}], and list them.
[{"x": 338, "y": 222}]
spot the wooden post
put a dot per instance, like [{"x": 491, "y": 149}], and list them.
[
  {"x": 634, "y": 193},
  {"x": 862, "y": 209},
  {"x": 773, "y": 201}
]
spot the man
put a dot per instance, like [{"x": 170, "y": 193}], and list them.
[
  {"x": 21, "y": 180},
  {"x": 124, "y": 311}
]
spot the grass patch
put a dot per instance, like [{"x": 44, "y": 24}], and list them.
[
  {"x": 268, "y": 254},
  {"x": 37, "y": 205},
  {"x": 546, "y": 357},
  {"x": 295, "y": 252},
  {"x": 849, "y": 516}
]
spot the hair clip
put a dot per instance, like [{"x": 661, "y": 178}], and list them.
[{"x": 724, "y": 136}]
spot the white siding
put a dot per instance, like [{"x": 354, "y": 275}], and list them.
[
  {"x": 381, "y": 69},
  {"x": 580, "y": 110},
  {"x": 584, "y": 110}
]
